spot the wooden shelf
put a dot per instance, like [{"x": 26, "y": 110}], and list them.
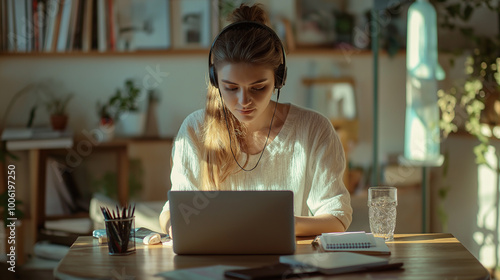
[
  {"x": 328, "y": 51},
  {"x": 176, "y": 52},
  {"x": 96, "y": 53},
  {"x": 327, "y": 80}
]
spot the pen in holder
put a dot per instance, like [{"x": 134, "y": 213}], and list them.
[{"x": 120, "y": 230}]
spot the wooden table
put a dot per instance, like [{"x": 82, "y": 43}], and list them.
[{"x": 425, "y": 256}]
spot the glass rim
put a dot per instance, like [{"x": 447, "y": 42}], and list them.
[{"x": 382, "y": 188}]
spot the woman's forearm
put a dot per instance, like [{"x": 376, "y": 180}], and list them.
[{"x": 315, "y": 225}]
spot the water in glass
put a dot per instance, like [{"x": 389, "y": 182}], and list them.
[{"x": 382, "y": 216}]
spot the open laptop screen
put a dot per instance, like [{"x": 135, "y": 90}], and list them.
[{"x": 232, "y": 222}]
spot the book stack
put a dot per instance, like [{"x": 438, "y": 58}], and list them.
[
  {"x": 57, "y": 25},
  {"x": 36, "y": 138},
  {"x": 77, "y": 25}
]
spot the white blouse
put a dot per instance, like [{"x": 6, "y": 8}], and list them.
[{"x": 305, "y": 157}]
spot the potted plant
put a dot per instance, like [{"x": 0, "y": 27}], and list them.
[
  {"x": 478, "y": 95},
  {"x": 474, "y": 102},
  {"x": 56, "y": 105},
  {"x": 130, "y": 121},
  {"x": 122, "y": 110}
]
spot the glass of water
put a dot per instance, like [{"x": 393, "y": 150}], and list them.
[{"x": 382, "y": 202}]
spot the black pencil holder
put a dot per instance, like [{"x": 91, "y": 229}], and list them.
[{"x": 121, "y": 236}]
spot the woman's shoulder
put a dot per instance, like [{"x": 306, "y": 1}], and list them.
[
  {"x": 193, "y": 121},
  {"x": 195, "y": 118},
  {"x": 308, "y": 116}
]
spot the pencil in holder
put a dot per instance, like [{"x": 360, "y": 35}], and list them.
[{"x": 121, "y": 236}]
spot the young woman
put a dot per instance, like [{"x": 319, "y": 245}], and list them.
[{"x": 243, "y": 140}]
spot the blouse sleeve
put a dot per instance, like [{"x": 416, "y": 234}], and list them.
[
  {"x": 328, "y": 194},
  {"x": 185, "y": 158}
]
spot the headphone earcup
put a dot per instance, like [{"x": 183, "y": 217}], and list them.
[
  {"x": 280, "y": 76},
  {"x": 213, "y": 76}
]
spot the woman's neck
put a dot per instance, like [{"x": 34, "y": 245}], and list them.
[{"x": 256, "y": 138}]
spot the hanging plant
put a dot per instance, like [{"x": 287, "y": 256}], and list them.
[{"x": 478, "y": 95}]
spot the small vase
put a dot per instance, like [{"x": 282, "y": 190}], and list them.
[{"x": 58, "y": 122}]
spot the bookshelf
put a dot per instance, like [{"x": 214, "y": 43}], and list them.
[
  {"x": 168, "y": 52},
  {"x": 104, "y": 26},
  {"x": 96, "y": 28},
  {"x": 191, "y": 52}
]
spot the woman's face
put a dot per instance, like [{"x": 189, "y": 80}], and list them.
[{"x": 247, "y": 89}]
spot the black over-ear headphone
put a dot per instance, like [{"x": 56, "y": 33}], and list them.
[{"x": 280, "y": 74}]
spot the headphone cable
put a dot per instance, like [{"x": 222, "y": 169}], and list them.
[{"x": 229, "y": 133}]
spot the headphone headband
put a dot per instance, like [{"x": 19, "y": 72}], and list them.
[{"x": 280, "y": 74}]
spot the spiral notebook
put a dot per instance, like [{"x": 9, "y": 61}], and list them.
[{"x": 359, "y": 242}]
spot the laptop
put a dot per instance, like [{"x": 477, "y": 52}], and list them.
[{"x": 232, "y": 222}]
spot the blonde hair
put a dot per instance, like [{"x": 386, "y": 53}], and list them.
[{"x": 249, "y": 45}]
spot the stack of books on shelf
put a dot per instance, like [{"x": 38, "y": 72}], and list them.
[
  {"x": 74, "y": 25},
  {"x": 36, "y": 138}
]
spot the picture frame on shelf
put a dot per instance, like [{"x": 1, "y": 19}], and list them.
[
  {"x": 333, "y": 97},
  {"x": 143, "y": 25},
  {"x": 315, "y": 22},
  {"x": 194, "y": 21}
]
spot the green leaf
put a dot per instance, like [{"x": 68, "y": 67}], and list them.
[
  {"x": 443, "y": 192},
  {"x": 453, "y": 10},
  {"x": 467, "y": 12}
]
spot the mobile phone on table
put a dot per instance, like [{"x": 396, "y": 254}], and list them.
[{"x": 275, "y": 271}]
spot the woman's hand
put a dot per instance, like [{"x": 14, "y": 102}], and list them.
[{"x": 165, "y": 222}]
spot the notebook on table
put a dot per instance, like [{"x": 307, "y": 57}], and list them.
[
  {"x": 359, "y": 242},
  {"x": 232, "y": 222}
]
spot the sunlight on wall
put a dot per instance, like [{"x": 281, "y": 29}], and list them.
[{"x": 487, "y": 219}]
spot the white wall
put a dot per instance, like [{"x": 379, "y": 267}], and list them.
[{"x": 183, "y": 90}]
